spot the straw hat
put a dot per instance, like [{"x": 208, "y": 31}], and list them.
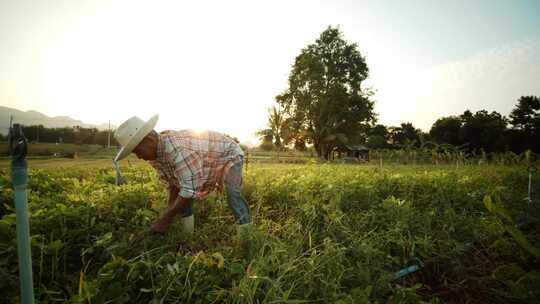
[{"x": 131, "y": 133}]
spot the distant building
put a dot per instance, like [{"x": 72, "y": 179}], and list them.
[{"x": 354, "y": 152}]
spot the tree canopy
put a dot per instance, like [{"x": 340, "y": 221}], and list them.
[
  {"x": 378, "y": 137},
  {"x": 477, "y": 131},
  {"x": 525, "y": 118},
  {"x": 447, "y": 130},
  {"x": 526, "y": 114},
  {"x": 483, "y": 130},
  {"x": 406, "y": 134},
  {"x": 325, "y": 101}
]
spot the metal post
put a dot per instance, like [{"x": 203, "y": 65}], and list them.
[{"x": 19, "y": 178}]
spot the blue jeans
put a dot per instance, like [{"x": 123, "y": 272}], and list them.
[{"x": 235, "y": 200}]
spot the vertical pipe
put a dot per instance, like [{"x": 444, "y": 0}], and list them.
[{"x": 19, "y": 180}]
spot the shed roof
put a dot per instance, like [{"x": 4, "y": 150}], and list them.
[{"x": 357, "y": 147}]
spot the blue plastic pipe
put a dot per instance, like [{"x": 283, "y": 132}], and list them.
[
  {"x": 19, "y": 179},
  {"x": 405, "y": 271}
]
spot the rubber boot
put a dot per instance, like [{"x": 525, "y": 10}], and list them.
[
  {"x": 244, "y": 235},
  {"x": 243, "y": 231},
  {"x": 188, "y": 224}
]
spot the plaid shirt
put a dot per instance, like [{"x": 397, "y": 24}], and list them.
[{"x": 195, "y": 162}]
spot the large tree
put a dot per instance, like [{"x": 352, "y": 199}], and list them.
[
  {"x": 378, "y": 137},
  {"x": 276, "y": 124},
  {"x": 447, "y": 130},
  {"x": 266, "y": 136},
  {"x": 483, "y": 130},
  {"x": 525, "y": 118},
  {"x": 526, "y": 114},
  {"x": 274, "y": 134},
  {"x": 325, "y": 98},
  {"x": 405, "y": 135}
]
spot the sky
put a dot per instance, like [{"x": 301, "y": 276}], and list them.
[{"x": 219, "y": 64}]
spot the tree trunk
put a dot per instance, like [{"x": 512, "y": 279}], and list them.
[{"x": 326, "y": 150}]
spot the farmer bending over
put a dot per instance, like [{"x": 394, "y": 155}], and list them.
[{"x": 191, "y": 164}]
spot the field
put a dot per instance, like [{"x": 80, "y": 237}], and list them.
[
  {"x": 324, "y": 233},
  {"x": 48, "y": 150}
]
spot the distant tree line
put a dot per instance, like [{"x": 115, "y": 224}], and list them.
[
  {"x": 493, "y": 132},
  {"x": 480, "y": 131},
  {"x": 71, "y": 135}
]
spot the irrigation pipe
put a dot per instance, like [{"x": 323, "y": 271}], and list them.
[
  {"x": 19, "y": 178},
  {"x": 414, "y": 268},
  {"x": 119, "y": 180},
  {"x": 460, "y": 250},
  {"x": 405, "y": 271}
]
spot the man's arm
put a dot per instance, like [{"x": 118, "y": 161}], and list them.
[
  {"x": 182, "y": 204},
  {"x": 173, "y": 195}
]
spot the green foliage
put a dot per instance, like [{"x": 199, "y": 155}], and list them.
[
  {"x": 526, "y": 114},
  {"x": 482, "y": 130},
  {"x": 74, "y": 135},
  {"x": 325, "y": 103},
  {"x": 405, "y": 135},
  {"x": 266, "y": 136},
  {"x": 488, "y": 131},
  {"x": 276, "y": 124},
  {"x": 525, "y": 118},
  {"x": 378, "y": 137},
  {"x": 323, "y": 233},
  {"x": 447, "y": 130},
  {"x": 498, "y": 209}
]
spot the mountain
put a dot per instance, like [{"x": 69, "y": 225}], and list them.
[{"x": 37, "y": 118}]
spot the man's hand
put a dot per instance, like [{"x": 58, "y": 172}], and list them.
[
  {"x": 178, "y": 207},
  {"x": 160, "y": 226}
]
